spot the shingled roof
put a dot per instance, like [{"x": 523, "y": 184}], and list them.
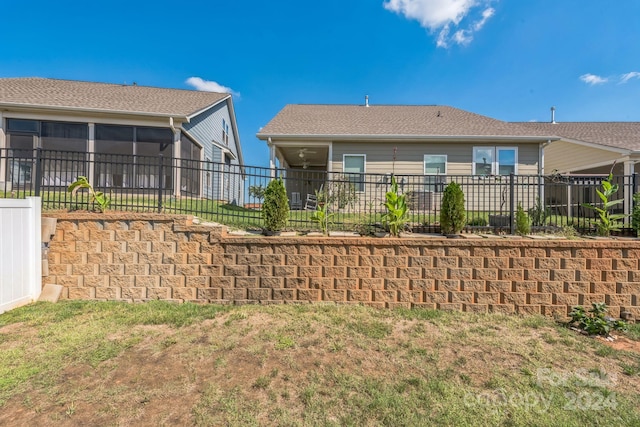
[
  {"x": 388, "y": 120},
  {"x": 623, "y": 135},
  {"x": 104, "y": 97}
]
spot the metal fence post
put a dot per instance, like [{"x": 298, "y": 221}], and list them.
[
  {"x": 512, "y": 192},
  {"x": 38, "y": 177},
  {"x": 160, "y": 179}
]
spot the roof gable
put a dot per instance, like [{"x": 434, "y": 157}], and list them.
[{"x": 104, "y": 97}]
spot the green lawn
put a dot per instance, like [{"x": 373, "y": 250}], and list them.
[{"x": 109, "y": 363}]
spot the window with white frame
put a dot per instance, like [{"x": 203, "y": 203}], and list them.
[
  {"x": 435, "y": 170},
  {"x": 354, "y": 169},
  {"x": 225, "y": 132},
  {"x": 495, "y": 160}
]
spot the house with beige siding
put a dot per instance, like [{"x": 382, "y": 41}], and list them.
[
  {"x": 120, "y": 135},
  {"x": 434, "y": 142}
]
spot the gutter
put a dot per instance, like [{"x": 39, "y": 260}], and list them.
[{"x": 364, "y": 137}]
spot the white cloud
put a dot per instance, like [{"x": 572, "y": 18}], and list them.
[
  {"x": 209, "y": 86},
  {"x": 592, "y": 79},
  {"x": 632, "y": 75},
  {"x": 442, "y": 16}
]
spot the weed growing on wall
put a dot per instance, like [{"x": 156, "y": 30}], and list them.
[{"x": 595, "y": 321}]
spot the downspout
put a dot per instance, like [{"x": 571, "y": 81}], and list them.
[{"x": 541, "y": 171}]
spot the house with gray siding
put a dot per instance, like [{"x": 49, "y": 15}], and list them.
[{"x": 149, "y": 129}]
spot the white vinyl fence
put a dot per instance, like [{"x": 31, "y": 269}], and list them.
[{"x": 20, "y": 252}]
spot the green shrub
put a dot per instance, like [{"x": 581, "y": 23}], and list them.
[
  {"x": 275, "y": 209},
  {"x": 539, "y": 214},
  {"x": 635, "y": 215},
  {"x": 596, "y": 321},
  {"x": 523, "y": 225},
  {"x": 452, "y": 212}
]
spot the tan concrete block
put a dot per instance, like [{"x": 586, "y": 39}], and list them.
[
  {"x": 309, "y": 271},
  {"x": 127, "y": 235},
  {"x": 159, "y": 293},
  {"x": 563, "y": 275},
  {"x": 540, "y": 298},
  {"x": 152, "y": 235},
  {"x": 198, "y": 259},
  {"x": 450, "y": 306},
  {"x": 548, "y": 263},
  {"x": 95, "y": 281},
  {"x": 124, "y": 258},
  {"x": 523, "y": 263},
  {"x": 114, "y": 247},
  {"x": 410, "y": 296},
  {"x": 612, "y": 253},
  {"x": 499, "y": 286},
  {"x": 599, "y": 264},
  {"x": 222, "y": 282},
  {"x": 140, "y": 225},
  {"x": 589, "y": 275},
  {"x": 460, "y": 252},
  {"x": 384, "y": 250},
  {"x": 435, "y": 273},
  {"x": 187, "y": 269},
  {"x": 272, "y": 259},
  {"x": 63, "y": 224},
  {"x": 561, "y": 253},
  {"x": 475, "y": 308},
  {"x": 147, "y": 281},
  {"x": 603, "y": 288},
  {"x": 75, "y": 235},
  {"x": 584, "y": 253},
  {"x": 433, "y": 251},
  {"x": 223, "y": 259},
  {"x": 460, "y": 273},
  {"x": 320, "y": 283},
  {"x": 436, "y": 297},
  {"x": 240, "y": 271},
  {"x": 499, "y": 263},
  {"x": 296, "y": 282},
  {"x": 133, "y": 294},
  {"x": 384, "y": 296},
  {"x": 410, "y": 273},
  {"x": 551, "y": 287},
  {"x": 446, "y": 261},
  {"x": 76, "y": 270},
  {"x": 396, "y": 261},
  {"x": 540, "y": 275},
  {"x": 565, "y": 299},
  {"x": 101, "y": 235},
  {"x": 261, "y": 270},
  {"x": 502, "y": 308},
  {"x": 162, "y": 269},
  {"x": 234, "y": 294},
  {"x": 626, "y": 264},
  {"x": 61, "y": 269},
  {"x": 528, "y": 309},
  {"x": 150, "y": 258},
  {"x": 320, "y": 260},
  {"x": 485, "y": 273},
  {"x": 272, "y": 282},
  {"x": 588, "y": 299},
  {"x": 383, "y": 272},
  {"x": 259, "y": 294},
  {"x": 555, "y": 311},
  {"x": 448, "y": 285},
  {"x": 248, "y": 259},
  {"x": 184, "y": 293},
  {"x": 487, "y": 298},
  {"x": 80, "y": 293},
  {"x": 513, "y": 274},
  {"x": 175, "y": 237},
  {"x": 172, "y": 281},
  {"x": 623, "y": 300},
  {"x": 346, "y": 260},
  {"x": 408, "y": 250},
  {"x": 308, "y": 295},
  {"x": 525, "y": 286},
  {"x": 209, "y": 293},
  {"x": 424, "y": 306},
  {"x": 616, "y": 276},
  {"x": 72, "y": 258},
  {"x": 310, "y": 249},
  {"x": 284, "y": 294},
  {"x": 334, "y": 295},
  {"x": 174, "y": 258},
  {"x": 108, "y": 293},
  {"x": 573, "y": 263},
  {"x": 483, "y": 252},
  {"x": 287, "y": 249},
  {"x": 247, "y": 282},
  {"x": 421, "y": 261},
  {"x": 89, "y": 247},
  {"x": 421, "y": 284},
  {"x": 462, "y": 297},
  {"x": 371, "y": 260},
  {"x": 112, "y": 269},
  {"x": 211, "y": 270},
  {"x": 472, "y": 262},
  {"x": 577, "y": 287},
  {"x": 359, "y": 272},
  {"x": 341, "y": 283},
  {"x": 197, "y": 281},
  {"x": 261, "y": 249},
  {"x": 163, "y": 247},
  {"x": 121, "y": 281},
  {"x": 513, "y": 298},
  {"x": 334, "y": 250},
  {"x": 70, "y": 246},
  {"x": 396, "y": 284}
]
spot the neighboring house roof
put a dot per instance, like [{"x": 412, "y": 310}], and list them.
[
  {"x": 378, "y": 121},
  {"x": 619, "y": 135},
  {"x": 33, "y": 92}
]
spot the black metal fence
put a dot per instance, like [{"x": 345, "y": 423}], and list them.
[{"x": 233, "y": 194}]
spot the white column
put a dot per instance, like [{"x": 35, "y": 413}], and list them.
[
  {"x": 628, "y": 191},
  {"x": 91, "y": 149},
  {"x": 3, "y": 144},
  {"x": 272, "y": 158},
  {"x": 177, "y": 176},
  {"x": 330, "y": 158}
]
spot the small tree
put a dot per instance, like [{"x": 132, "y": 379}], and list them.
[
  {"x": 97, "y": 197},
  {"x": 523, "y": 224},
  {"x": 608, "y": 221},
  {"x": 452, "y": 212},
  {"x": 275, "y": 209},
  {"x": 396, "y": 217}
]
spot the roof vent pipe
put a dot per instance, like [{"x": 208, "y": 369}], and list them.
[
  {"x": 366, "y": 100},
  {"x": 553, "y": 115}
]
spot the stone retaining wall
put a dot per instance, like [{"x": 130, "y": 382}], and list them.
[{"x": 138, "y": 257}]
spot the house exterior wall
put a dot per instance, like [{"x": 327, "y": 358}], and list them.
[
  {"x": 566, "y": 157},
  {"x": 207, "y": 129},
  {"x": 410, "y": 156}
]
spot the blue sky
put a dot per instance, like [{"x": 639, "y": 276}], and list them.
[{"x": 507, "y": 59}]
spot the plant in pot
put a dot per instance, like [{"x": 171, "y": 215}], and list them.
[
  {"x": 452, "y": 212},
  {"x": 275, "y": 208}
]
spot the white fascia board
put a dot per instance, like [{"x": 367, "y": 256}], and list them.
[
  {"x": 44, "y": 108},
  {"x": 234, "y": 125},
  {"x": 598, "y": 146},
  {"x": 109, "y": 119},
  {"x": 364, "y": 138},
  {"x": 208, "y": 107}
]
